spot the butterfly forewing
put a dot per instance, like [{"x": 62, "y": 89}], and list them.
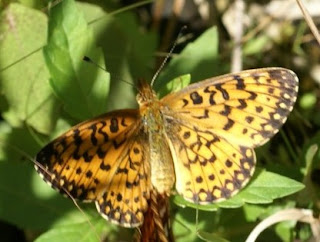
[
  {"x": 246, "y": 108},
  {"x": 214, "y": 124},
  {"x": 103, "y": 160}
]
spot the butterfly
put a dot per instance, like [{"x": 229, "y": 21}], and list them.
[{"x": 198, "y": 140}]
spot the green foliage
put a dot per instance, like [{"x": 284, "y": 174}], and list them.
[
  {"x": 82, "y": 87},
  {"x": 45, "y": 87},
  {"x": 175, "y": 85},
  {"x": 26, "y": 96},
  {"x": 263, "y": 188},
  {"x": 199, "y": 59},
  {"x": 77, "y": 232}
]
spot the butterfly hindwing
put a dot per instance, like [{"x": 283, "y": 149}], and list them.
[
  {"x": 101, "y": 160},
  {"x": 125, "y": 197},
  {"x": 210, "y": 168}
]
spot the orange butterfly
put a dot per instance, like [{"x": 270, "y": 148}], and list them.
[{"x": 199, "y": 140}]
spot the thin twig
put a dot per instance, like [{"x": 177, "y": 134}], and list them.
[
  {"x": 302, "y": 215},
  {"x": 177, "y": 7},
  {"x": 309, "y": 20},
  {"x": 236, "y": 62},
  {"x": 158, "y": 9}
]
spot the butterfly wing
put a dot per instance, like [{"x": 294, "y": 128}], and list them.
[
  {"x": 208, "y": 168},
  {"x": 104, "y": 160},
  {"x": 216, "y": 123}
]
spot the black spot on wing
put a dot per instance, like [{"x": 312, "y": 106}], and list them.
[
  {"x": 240, "y": 82},
  {"x": 228, "y": 125},
  {"x": 114, "y": 127},
  {"x": 224, "y": 93},
  {"x": 211, "y": 97},
  {"x": 196, "y": 98}
]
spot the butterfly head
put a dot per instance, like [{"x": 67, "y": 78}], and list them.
[{"x": 145, "y": 94}]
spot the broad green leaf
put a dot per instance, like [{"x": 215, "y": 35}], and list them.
[
  {"x": 23, "y": 75},
  {"x": 86, "y": 231},
  {"x": 263, "y": 189},
  {"x": 285, "y": 230},
  {"x": 82, "y": 87},
  {"x": 254, "y": 212},
  {"x": 25, "y": 200},
  {"x": 175, "y": 85},
  {"x": 16, "y": 143},
  {"x": 129, "y": 54}
]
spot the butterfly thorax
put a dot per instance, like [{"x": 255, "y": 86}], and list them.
[{"x": 161, "y": 163}]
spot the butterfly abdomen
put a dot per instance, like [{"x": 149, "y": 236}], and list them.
[
  {"x": 162, "y": 170},
  {"x": 161, "y": 164}
]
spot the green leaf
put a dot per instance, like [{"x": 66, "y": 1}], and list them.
[
  {"x": 308, "y": 100},
  {"x": 25, "y": 200},
  {"x": 311, "y": 156},
  {"x": 86, "y": 226},
  {"x": 205, "y": 236},
  {"x": 129, "y": 54},
  {"x": 82, "y": 87},
  {"x": 175, "y": 85},
  {"x": 285, "y": 230},
  {"x": 263, "y": 188},
  {"x": 75, "y": 232},
  {"x": 256, "y": 45},
  {"x": 199, "y": 59},
  {"x": 26, "y": 94}
]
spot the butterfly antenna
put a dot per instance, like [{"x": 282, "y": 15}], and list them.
[
  {"x": 169, "y": 55},
  {"x": 88, "y": 59}
]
